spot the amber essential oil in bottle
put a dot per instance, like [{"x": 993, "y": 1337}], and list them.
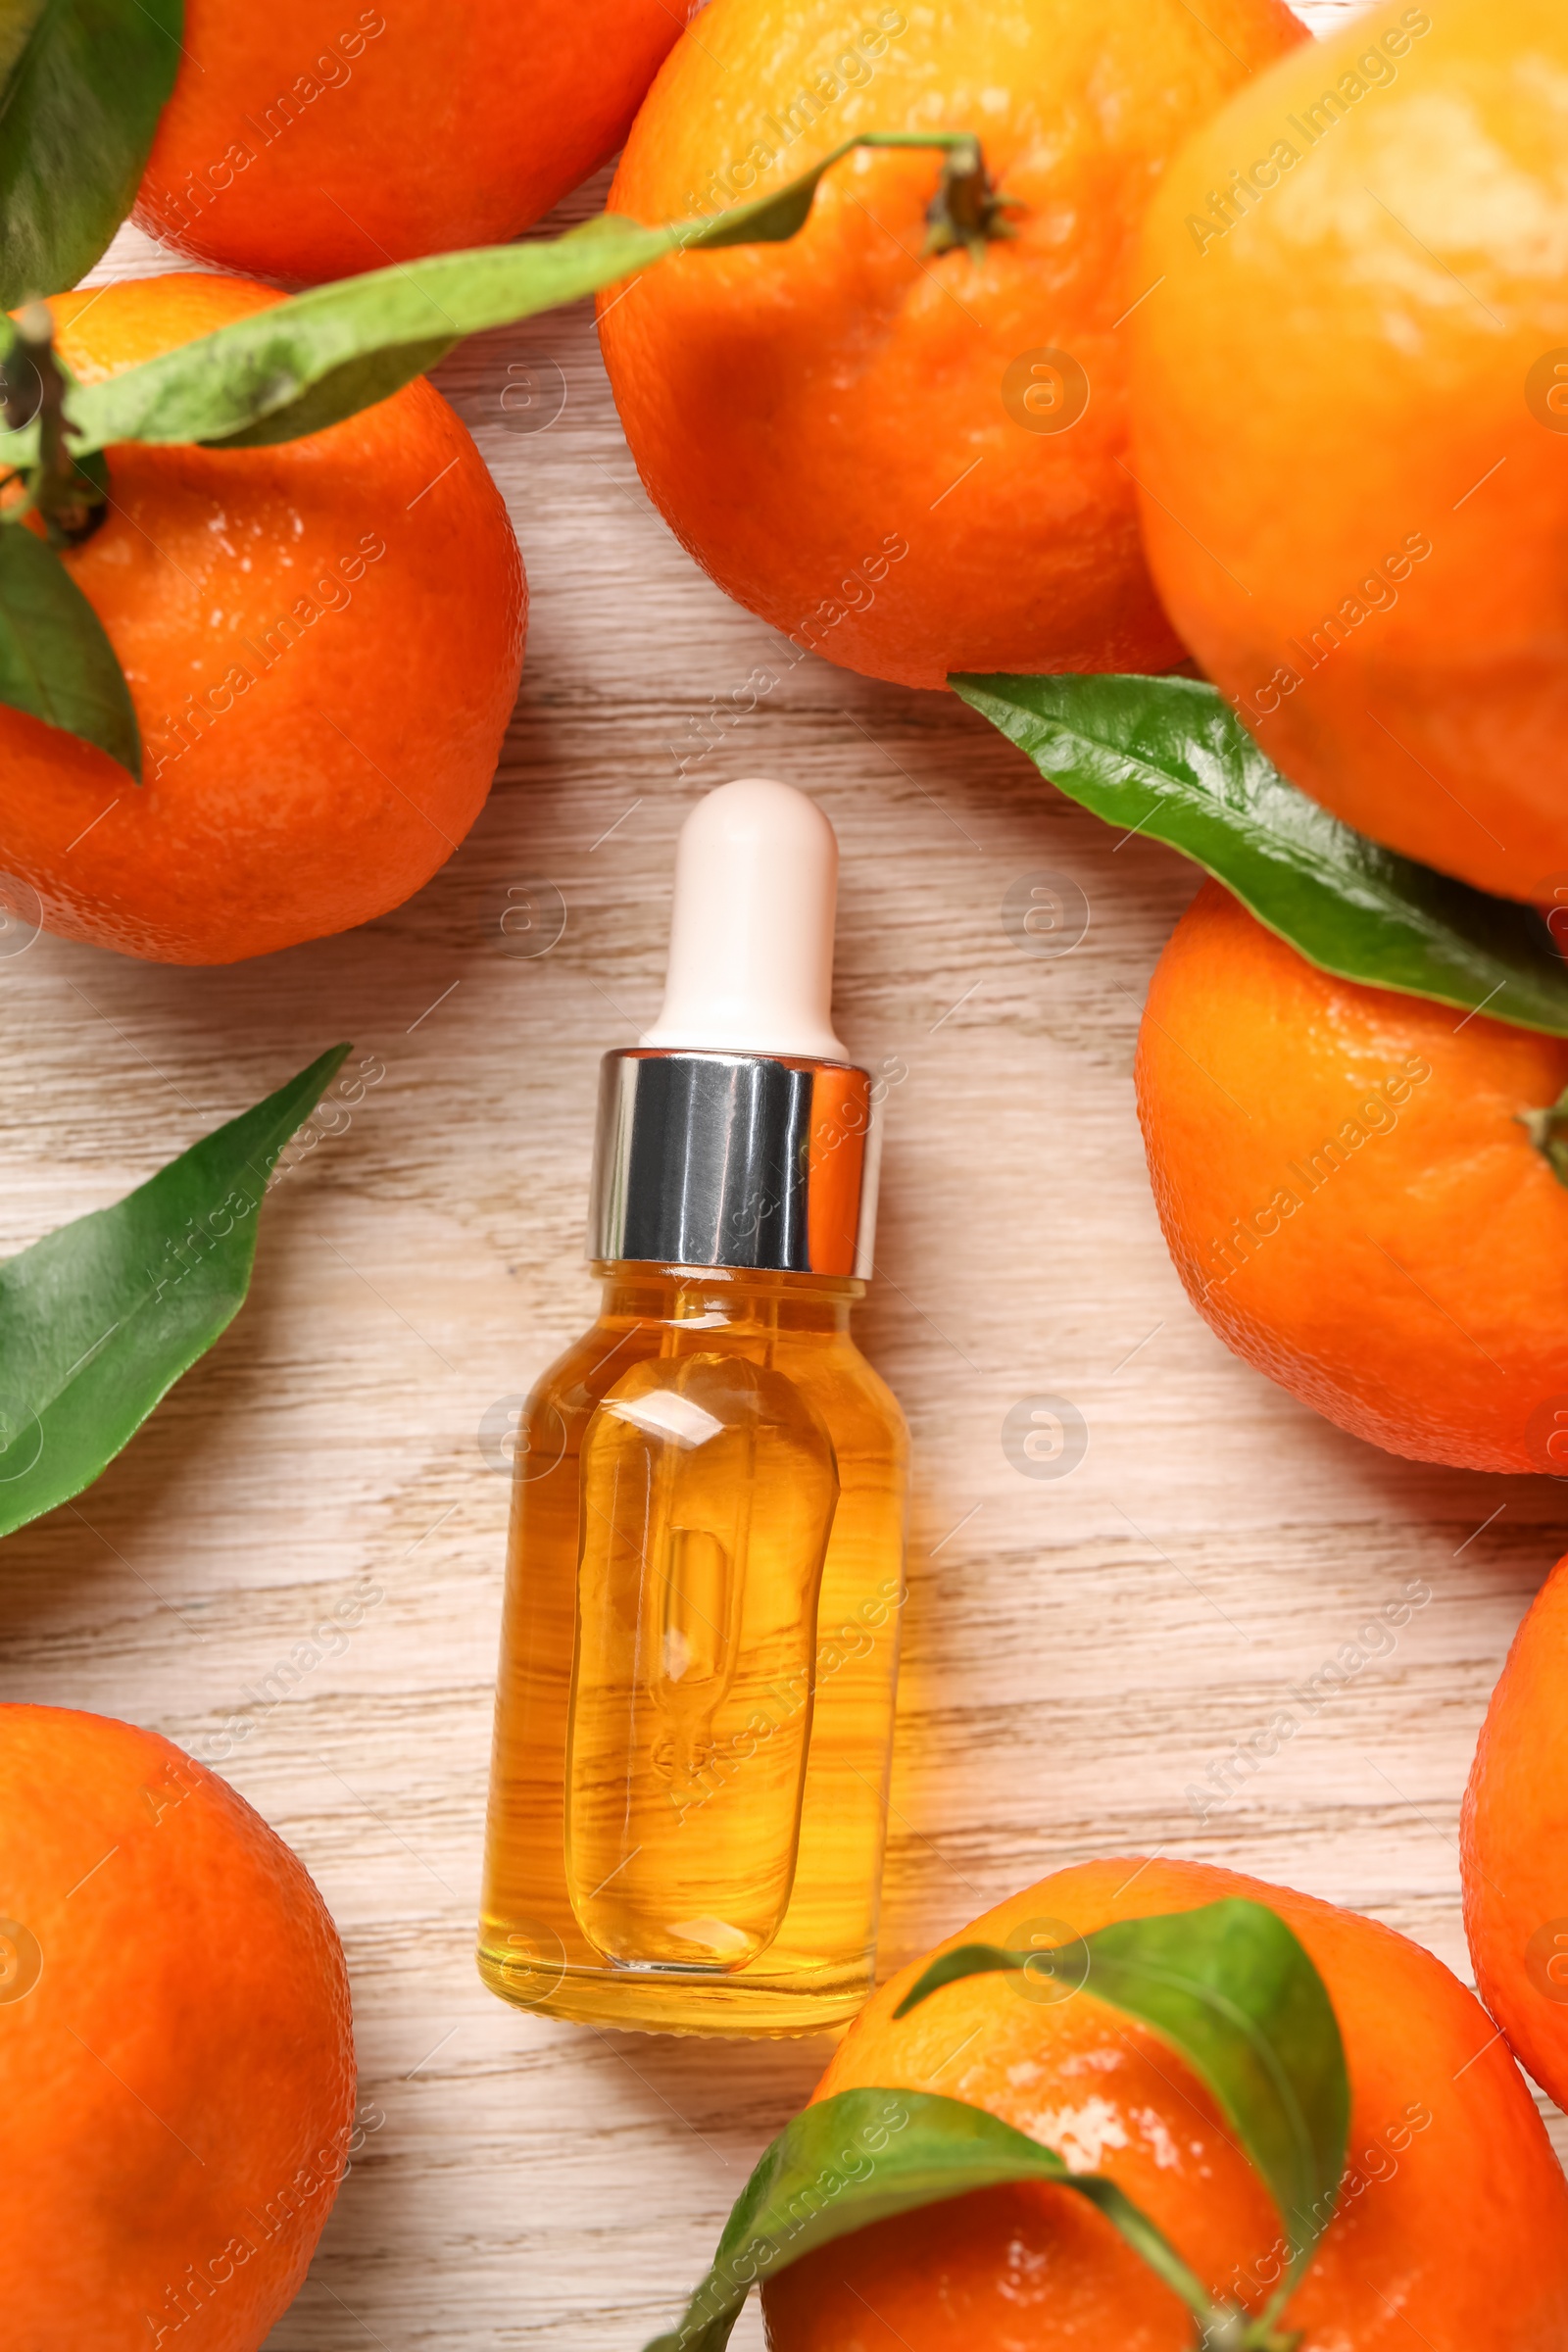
[{"x": 700, "y": 1645}]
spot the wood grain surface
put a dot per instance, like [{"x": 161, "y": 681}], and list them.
[{"x": 1079, "y": 1651}]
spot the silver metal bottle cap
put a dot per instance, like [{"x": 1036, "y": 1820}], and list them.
[{"x": 753, "y": 1160}]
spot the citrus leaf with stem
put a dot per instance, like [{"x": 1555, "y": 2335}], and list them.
[
  {"x": 1167, "y": 757},
  {"x": 320, "y": 355},
  {"x": 1232, "y": 1989},
  {"x": 100, "y": 1318},
  {"x": 864, "y": 2155},
  {"x": 82, "y": 83}
]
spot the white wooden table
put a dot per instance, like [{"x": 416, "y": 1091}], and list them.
[{"x": 1079, "y": 1651}]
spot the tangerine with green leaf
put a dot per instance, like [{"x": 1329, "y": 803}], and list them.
[
  {"x": 1451, "y": 2225},
  {"x": 1365, "y": 1194},
  {"x": 901, "y": 438},
  {"x": 321, "y": 638}
]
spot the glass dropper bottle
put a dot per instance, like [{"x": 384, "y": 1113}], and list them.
[{"x": 694, "y": 1712}]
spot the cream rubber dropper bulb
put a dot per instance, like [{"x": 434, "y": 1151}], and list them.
[{"x": 750, "y": 940}]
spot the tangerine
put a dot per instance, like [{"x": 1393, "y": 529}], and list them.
[
  {"x": 315, "y": 142},
  {"x": 914, "y": 466},
  {"x": 1451, "y": 2228},
  {"x": 1514, "y": 1843},
  {"x": 1350, "y": 396},
  {"x": 322, "y": 641},
  {"x": 177, "y": 2065},
  {"x": 1351, "y": 1196}
]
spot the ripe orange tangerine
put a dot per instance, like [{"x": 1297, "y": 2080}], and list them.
[
  {"x": 915, "y": 464},
  {"x": 1349, "y": 400},
  {"x": 176, "y": 2066},
  {"x": 322, "y": 641},
  {"x": 1515, "y": 1845},
  {"x": 315, "y": 141},
  {"x": 1353, "y": 1198}
]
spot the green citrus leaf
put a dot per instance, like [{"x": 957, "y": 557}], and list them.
[
  {"x": 100, "y": 1318},
  {"x": 1168, "y": 757},
  {"x": 1233, "y": 1990},
  {"x": 56, "y": 661},
  {"x": 864, "y": 2155},
  {"x": 325, "y": 354},
  {"x": 82, "y": 83}
]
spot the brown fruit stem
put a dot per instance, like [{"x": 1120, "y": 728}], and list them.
[
  {"x": 68, "y": 498},
  {"x": 965, "y": 209},
  {"x": 1547, "y": 1130}
]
